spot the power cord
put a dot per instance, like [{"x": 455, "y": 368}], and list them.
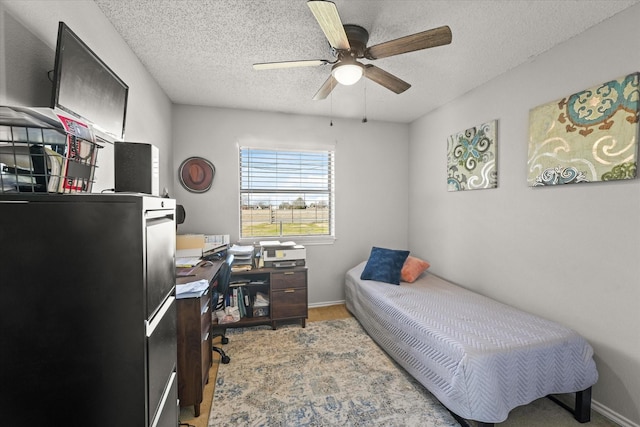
[{"x": 186, "y": 424}]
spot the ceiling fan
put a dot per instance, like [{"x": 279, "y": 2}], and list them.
[{"x": 349, "y": 43}]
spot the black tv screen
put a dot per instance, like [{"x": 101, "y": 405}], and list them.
[{"x": 85, "y": 86}]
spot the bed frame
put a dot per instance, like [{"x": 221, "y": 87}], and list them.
[
  {"x": 478, "y": 357},
  {"x": 581, "y": 412}
]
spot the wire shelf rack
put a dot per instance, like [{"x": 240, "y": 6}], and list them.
[{"x": 45, "y": 152}]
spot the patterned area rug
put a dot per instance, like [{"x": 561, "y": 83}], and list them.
[{"x": 330, "y": 373}]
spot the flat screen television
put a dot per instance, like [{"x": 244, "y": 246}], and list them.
[{"x": 86, "y": 87}]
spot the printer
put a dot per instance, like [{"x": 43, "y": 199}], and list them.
[{"x": 282, "y": 254}]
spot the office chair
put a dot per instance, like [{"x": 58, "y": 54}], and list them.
[{"x": 222, "y": 290}]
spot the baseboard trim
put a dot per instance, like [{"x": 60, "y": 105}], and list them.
[
  {"x": 612, "y": 415},
  {"x": 325, "y": 304}
]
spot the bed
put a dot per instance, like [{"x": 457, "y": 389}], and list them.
[{"x": 478, "y": 357}]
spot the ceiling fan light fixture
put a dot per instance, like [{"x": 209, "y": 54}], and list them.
[{"x": 347, "y": 73}]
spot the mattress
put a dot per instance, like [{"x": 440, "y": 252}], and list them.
[{"x": 478, "y": 357}]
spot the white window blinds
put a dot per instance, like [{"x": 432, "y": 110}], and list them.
[{"x": 285, "y": 192}]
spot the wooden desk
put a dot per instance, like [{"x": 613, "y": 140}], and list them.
[
  {"x": 194, "y": 337},
  {"x": 287, "y": 290},
  {"x": 204, "y": 270}
]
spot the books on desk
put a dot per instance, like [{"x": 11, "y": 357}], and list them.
[
  {"x": 239, "y": 296},
  {"x": 250, "y": 303},
  {"x": 192, "y": 289}
]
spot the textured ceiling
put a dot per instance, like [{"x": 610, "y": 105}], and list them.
[{"x": 201, "y": 52}]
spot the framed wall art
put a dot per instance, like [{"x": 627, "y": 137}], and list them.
[
  {"x": 471, "y": 158},
  {"x": 589, "y": 136}
]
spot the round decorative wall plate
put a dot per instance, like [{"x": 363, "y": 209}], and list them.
[{"x": 196, "y": 174}]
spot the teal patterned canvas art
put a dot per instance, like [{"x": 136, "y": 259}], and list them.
[
  {"x": 471, "y": 158},
  {"x": 589, "y": 136}
]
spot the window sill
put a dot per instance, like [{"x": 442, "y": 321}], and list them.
[{"x": 301, "y": 240}]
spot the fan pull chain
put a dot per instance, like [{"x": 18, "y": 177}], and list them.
[
  {"x": 364, "y": 119},
  {"x": 331, "y": 101}
]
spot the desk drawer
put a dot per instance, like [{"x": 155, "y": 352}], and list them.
[
  {"x": 205, "y": 300},
  {"x": 289, "y": 303},
  {"x": 205, "y": 357},
  {"x": 205, "y": 322},
  {"x": 289, "y": 279},
  {"x": 205, "y": 315}
]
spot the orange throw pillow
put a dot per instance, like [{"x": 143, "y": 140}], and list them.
[{"x": 412, "y": 269}]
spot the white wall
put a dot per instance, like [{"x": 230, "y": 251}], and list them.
[
  {"x": 568, "y": 253},
  {"x": 371, "y": 182},
  {"x": 28, "y": 33}
]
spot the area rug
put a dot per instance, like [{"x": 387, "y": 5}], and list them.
[{"x": 330, "y": 373}]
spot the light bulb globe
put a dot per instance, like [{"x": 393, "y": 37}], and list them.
[{"x": 347, "y": 74}]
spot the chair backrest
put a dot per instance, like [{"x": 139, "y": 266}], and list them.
[{"x": 224, "y": 276}]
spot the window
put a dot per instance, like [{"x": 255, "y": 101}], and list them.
[{"x": 286, "y": 193}]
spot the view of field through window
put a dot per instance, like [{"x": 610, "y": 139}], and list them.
[{"x": 286, "y": 193}]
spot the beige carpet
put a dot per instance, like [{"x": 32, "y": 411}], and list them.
[
  {"x": 541, "y": 413},
  {"x": 187, "y": 415},
  {"x": 329, "y": 374}
]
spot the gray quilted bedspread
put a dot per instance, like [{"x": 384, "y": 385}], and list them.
[{"x": 479, "y": 357}]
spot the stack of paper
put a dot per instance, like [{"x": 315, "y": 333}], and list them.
[
  {"x": 262, "y": 300},
  {"x": 243, "y": 257},
  {"x": 192, "y": 289},
  {"x": 187, "y": 262}
]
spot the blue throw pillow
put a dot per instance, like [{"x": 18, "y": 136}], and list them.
[{"x": 384, "y": 265}]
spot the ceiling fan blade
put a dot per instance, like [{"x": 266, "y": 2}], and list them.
[
  {"x": 385, "y": 79},
  {"x": 326, "y": 88},
  {"x": 426, "y": 39},
  {"x": 327, "y": 16},
  {"x": 289, "y": 64}
]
